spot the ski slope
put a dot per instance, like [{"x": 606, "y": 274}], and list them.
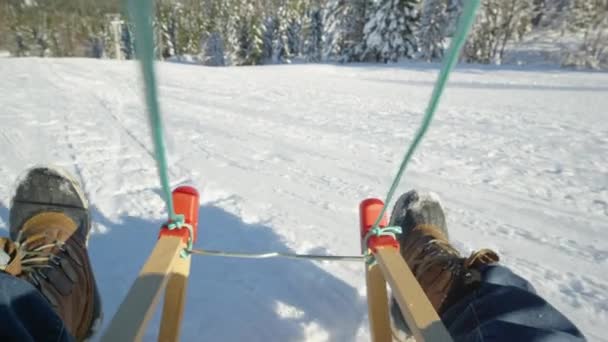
[{"x": 282, "y": 156}]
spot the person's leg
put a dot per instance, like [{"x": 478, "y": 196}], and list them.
[
  {"x": 25, "y": 315},
  {"x": 47, "y": 248},
  {"x": 506, "y": 307},
  {"x": 477, "y": 299}
]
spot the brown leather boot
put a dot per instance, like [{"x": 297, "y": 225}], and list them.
[
  {"x": 50, "y": 225},
  {"x": 444, "y": 275}
]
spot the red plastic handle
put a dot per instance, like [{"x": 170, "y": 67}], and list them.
[
  {"x": 369, "y": 209},
  {"x": 186, "y": 202}
]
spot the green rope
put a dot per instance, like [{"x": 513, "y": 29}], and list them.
[
  {"x": 141, "y": 14},
  {"x": 464, "y": 25}
]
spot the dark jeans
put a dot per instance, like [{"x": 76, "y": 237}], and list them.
[
  {"x": 504, "y": 308},
  {"x": 25, "y": 315}
]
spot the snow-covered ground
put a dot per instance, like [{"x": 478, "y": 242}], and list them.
[{"x": 283, "y": 155}]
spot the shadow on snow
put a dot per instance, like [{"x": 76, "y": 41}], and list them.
[{"x": 231, "y": 299}]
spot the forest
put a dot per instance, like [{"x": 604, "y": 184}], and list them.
[{"x": 254, "y": 32}]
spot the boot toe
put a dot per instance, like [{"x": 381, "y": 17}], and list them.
[
  {"x": 48, "y": 189},
  {"x": 415, "y": 208}
]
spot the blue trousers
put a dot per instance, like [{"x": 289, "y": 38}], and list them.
[
  {"x": 505, "y": 307},
  {"x": 25, "y": 315}
]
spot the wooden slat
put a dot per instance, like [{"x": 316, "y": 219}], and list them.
[
  {"x": 175, "y": 301},
  {"x": 136, "y": 309},
  {"x": 417, "y": 310},
  {"x": 377, "y": 305}
]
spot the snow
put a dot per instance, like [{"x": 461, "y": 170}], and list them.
[{"x": 282, "y": 156}]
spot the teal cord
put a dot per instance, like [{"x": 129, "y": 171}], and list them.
[
  {"x": 464, "y": 25},
  {"x": 142, "y": 14}
]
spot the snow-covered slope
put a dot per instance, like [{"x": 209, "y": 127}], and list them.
[{"x": 283, "y": 155}]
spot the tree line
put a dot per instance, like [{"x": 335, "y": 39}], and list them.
[{"x": 253, "y": 32}]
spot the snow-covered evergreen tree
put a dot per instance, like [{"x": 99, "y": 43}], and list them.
[
  {"x": 551, "y": 13},
  {"x": 127, "y": 43},
  {"x": 433, "y": 25},
  {"x": 268, "y": 38},
  {"x": 313, "y": 41},
  {"x": 454, "y": 10},
  {"x": 97, "y": 47},
  {"x": 213, "y": 50},
  {"x": 389, "y": 33},
  {"x": 33, "y": 29},
  {"x": 42, "y": 43},
  {"x": 251, "y": 37},
  {"x": 192, "y": 28},
  {"x": 294, "y": 35},
  {"x": 344, "y": 22},
  {"x": 282, "y": 47},
  {"x": 21, "y": 48},
  {"x": 168, "y": 17},
  {"x": 230, "y": 31}
]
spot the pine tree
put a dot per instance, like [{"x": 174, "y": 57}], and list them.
[
  {"x": 389, "y": 32},
  {"x": 127, "y": 43},
  {"x": 313, "y": 41},
  {"x": 213, "y": 50},
  {"x": 282, "y": 47},
  {"x": 540, "y": 7},
  {"x": 232, "y": 41},
  {"x": 294, "y": 34},
  {"x": 553, "y": 14},
  {"x": 40, "y": 38},
  {"x": 433, "y": 24},
  {"x": 344, "y": 24},
  {"x": 268, "y": 39},
  {"x": 454, "y": 10},
  {"x": 256, "y": 41},
  {"x": 229, "y": 30},
  {"x": 251, "y": 43},
  {"x": 192, "y": 28},
  {"x": 96, "y": 47},
  {"x": 31, "y": 29},
  {"x": 168, "y": 18}
]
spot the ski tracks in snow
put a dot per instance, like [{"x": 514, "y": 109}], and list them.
[{"x": 284, "y": 154}]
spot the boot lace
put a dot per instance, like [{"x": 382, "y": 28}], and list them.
[
  {"x": 32, "y": 260},
  {"x": 437, "y": 253}
]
